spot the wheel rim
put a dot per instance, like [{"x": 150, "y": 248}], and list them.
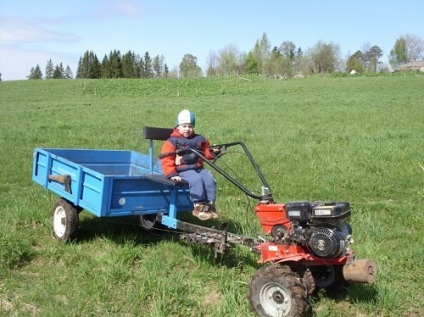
[
  {"x": 59, "y": 221},
  {"x": 324, "y": 277},
  {"x": 148, "y": 222},
  {"x": 275, "y": 299}
]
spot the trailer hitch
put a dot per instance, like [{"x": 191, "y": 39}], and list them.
[{"x": 220, "y": 239}]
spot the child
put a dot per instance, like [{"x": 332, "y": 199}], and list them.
[{"x": 189, "y": 166}]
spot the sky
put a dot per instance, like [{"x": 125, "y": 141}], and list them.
[{"x": 34, "y": 31}]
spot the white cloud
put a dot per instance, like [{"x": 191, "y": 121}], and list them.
[
  {"x": 21, "y": 46},
  {"x": 17, "y": 31}
]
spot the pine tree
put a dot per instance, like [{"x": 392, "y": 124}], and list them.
[
  {"x": 79, "y": 69},
  {"x": 68, "y": 73},
  {"x": 49, "y": 69},
  {"x": 89, "y": 66},
  {"x": 58, "y": 72},
  {"x": 166, "y": 71},
  {"x": 157, "y": 66},
  {"x": 35, "y": 73},
  {"x": 106, "y": 72},
  {"x": 141, "y": 68},
  {"x": 251, "y": 63},
  {"x": 95, "y": 67},
  {"x": 115, "y": 64},
  {"x": 148, "y": 68},
  {"x": 129, "y": 65}
]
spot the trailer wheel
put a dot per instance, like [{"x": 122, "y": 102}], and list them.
[
  {"x": 149, "y": 222},
  {"x": 276, "y": 290},
  {"x": 65, "y": 220}
]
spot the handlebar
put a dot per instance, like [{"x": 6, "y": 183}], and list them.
[
  {"x": 185, "y": 151},
  {"x": 212, "y": 164}
]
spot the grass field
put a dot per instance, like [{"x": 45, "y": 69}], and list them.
[{"x": 359, "y": 139}]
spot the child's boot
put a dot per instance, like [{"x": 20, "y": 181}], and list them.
[
  {"x": 212, "y": 210},
  {"x": 199, "y": 212}
]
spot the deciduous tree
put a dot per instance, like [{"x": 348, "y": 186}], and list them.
[
  {"x": 189, "y": 67},
  {"x": 355, "y": 62},
  {"x": 212, "y": 63},
  {"x": 261, "y": 52},
  {"x": 407, "y": 48},
  {"x": 229, "y": 61},
  {"x": 374, "y": 54},
  {"x": 325, "y": 57}
]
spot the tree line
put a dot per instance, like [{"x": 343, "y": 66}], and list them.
[{"x": 283, "y": 61}]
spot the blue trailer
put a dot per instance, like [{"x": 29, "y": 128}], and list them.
[
  {"x": 116, "y": 183},
  {"x": 109, "y": 183}
]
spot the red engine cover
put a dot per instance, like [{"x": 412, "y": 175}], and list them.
[{"x": 271, "y": 215}]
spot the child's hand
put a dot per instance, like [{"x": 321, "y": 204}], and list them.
[
  {"x": 217, "y": 150},
  {"x": 176, "y": 178}
]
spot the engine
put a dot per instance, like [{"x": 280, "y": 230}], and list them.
[{"x": 322, "y": 227}]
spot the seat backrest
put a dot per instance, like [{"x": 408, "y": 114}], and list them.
[{"x": 153, "y": 133}]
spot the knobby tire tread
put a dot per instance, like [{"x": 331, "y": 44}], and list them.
[{"x": 290, "y": 280}]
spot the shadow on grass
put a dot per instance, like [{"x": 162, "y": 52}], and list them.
[
  {"x": 354, "y": 293},
  {"x": 119, "y": 230},
  {"x": 232, "y": 257},
  {"x": 122, "y": 229}
]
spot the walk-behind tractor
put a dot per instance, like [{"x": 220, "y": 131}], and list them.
[{"x": 307, "y": 244}]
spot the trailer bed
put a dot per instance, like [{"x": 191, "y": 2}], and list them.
[{"x": 108, "y": 183}]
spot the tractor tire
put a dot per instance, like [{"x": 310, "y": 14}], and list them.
[
  {"x": 329, "y": 277},
  {"x": 65, "y": 220},
  {"x": 307, "y": 278},
  {"x": 276, "y": 290},
  {"x": 148, "y": 222}
]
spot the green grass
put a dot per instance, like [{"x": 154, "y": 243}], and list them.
[{"x": 359, "y": 139}]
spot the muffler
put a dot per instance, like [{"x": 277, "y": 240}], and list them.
[{"x": 360, "y": 271}]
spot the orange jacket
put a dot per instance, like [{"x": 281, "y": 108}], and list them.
[{"x": 173, "y": 164}]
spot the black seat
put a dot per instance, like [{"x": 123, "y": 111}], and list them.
[
  {"x": 159, "y": 134},
  {"x": 154, "y": 133}
]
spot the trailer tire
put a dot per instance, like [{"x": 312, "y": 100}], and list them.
[
  {"x": 149, "y": 222},
  {"x": 65, "y": 220},
  {"x": 276, "y": 290}
]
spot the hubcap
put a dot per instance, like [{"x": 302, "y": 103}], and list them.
[
  {"x": 59, "y": 221},
  {"x": 275, "y": 300}
]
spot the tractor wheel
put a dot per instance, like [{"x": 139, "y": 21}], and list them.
[
  {"x": 148, "y": 222},
  {"x": 324, "y": 275},
  {"x": 65, "y": 220},
  {"x": 276, "y": 290},
  {"x": 307, "y": 278}
]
